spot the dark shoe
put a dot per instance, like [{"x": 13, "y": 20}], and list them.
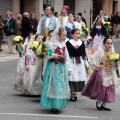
[
  {"x": 98, "y": 108},
  {"x": 73, "y": 99},
  {"x": 75, "y": 96},
  {"x": 1, "y": 50},
  {"x": 104, "y": 108},
  {"x": 54, "y": 110}
]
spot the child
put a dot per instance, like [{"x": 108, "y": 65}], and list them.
[
  {"x": 31, "y": 79},
  {"x": 101, "y": 85},
  {"x": 27, "y": 40},
  {"x": 76, "y": 50},
  {"x": 21, "y": 65},
  {"x": 55, "y": 80},
  {"x": 33, "y": 82},
  {"x": 49, "y": 36}
]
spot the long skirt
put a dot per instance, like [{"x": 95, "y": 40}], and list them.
[
  {"x": 55, "y": 87},
  {"x": 96, "y": 42},
  {"x": 95, "y": 90},
  {"x": 29, "y": 82}
]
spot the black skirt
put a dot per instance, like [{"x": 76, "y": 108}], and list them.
[{"x": 76, "y": 86}]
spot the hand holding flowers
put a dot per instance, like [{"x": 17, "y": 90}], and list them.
[
  {"x": 19, "y": 47},
  {"x": 85, "y": 31},
  {"x": 116, "y": 58},
  {"x": 90, "y": 70}
]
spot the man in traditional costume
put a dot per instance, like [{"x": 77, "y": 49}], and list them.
[
  {"x": 47, "y": 22},
  {"x": 64, "y": 17}
]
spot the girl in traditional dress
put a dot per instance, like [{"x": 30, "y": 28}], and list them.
[
  {"x": 55, "y": 87},
  {"x": 31, "y": 79},
  {"x": 49, "y": 36},
  {"x": 21, "y": 65},
  {"x": 98, "y": 33},
  {"x": 76, "y": 50},
  {"x": 72, "y": 24},
  {"x": 101, "y": 85}
]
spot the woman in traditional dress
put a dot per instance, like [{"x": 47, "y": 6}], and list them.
[
  {"x": 76, "y": 50},
  {"x": 98, "y": 33},
  {"x": 55, "y": 87},
  {"x": 72, "y": 24},
  {"x": 101, "y": 85}
]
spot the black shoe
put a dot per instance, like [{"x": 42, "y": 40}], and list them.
[
  {"x": 98, "y": 108},
  {"x": 1, "y": 50},
  {"x": 73, "y": 99},
  {"x": 75, "y": 96},
  {"x": 54, "y": 110},
  {"x": 104, "y": 108}
]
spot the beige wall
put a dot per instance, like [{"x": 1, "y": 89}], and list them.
[
  {"x": 58, "y": 4},
  {"x": 30, "y": 6},
  {"x": 108, "y": 7},
  {"x": 15, "y": 7},
  {"x": 84, "y": 6},
  {"x": 40, "y": 8}
]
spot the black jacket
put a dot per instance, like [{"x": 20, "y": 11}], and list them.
[
  {"x": 93, "y": 31},
  {"x": 84, "y": 20},
  {"x": 34, "y": 23},
  {"x": 116, "y": 19},
  {"x": 10, "y": 27},
  {"x": 26, "y": 27}
]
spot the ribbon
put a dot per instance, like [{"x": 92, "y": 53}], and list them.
[{"x": 50, "y": 52}]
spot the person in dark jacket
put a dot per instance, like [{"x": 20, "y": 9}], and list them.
[
  {"x": 1, "y": 32},
  {"x": 10, "y": 30},
  {"x": 34, "y": 23},
  {"x": 26, "y": 25},
  {"x": 116, "y": 23}
]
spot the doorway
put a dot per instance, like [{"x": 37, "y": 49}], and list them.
[
  {"x": 97, "y": 6},
  {"x": 22, "y": 6},
  {"x": 71, "y": 4},
  {"x": 115, "y": 7}
]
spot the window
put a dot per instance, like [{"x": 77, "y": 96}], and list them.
[{"x": 47, "y": 3}]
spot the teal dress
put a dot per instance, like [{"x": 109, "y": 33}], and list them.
[{"x": 55, "y": 87}]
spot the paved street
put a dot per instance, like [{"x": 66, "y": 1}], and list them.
[{"x": 14, "y": 106}]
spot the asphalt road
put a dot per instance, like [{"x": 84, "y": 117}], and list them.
[{"x": 15, "y": 106}]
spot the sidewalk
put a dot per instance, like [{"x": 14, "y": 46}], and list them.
[{"x": 7, "y": 57}]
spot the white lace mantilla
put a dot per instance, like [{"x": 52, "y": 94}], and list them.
[{"x": 109, "y": 78}]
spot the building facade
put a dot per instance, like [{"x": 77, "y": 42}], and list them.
[{"x": 89, "y": 8}]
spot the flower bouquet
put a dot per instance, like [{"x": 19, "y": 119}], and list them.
[
  {"x": 107, "y": 28},
  {"x": 34, "y": 45},
  {"x": 116, "y": 58},
  {"x": 89, "y": 71},
  {"x": 42, "y": 50},
  {"x": 19, "y": 47},
  {"x": 85, "y": 31}
]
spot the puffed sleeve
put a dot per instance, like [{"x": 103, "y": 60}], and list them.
[
  {"x": 57, "y": 23},
  {"x": 96, "y": 57},
  {"x": 68, "y": 60}
]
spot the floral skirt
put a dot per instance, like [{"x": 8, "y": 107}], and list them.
[
  {"x": 94, "y": 89},
  {"x": 55, "y": 87},
  {"x": 29, "y": 82}
]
